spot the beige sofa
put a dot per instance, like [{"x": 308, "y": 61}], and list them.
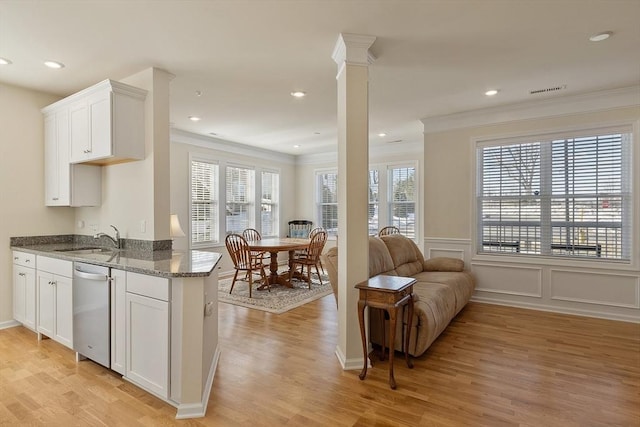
[{"x": 442, "y": 288}]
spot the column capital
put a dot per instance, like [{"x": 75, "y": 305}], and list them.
[{"x": 353, "y": 49}]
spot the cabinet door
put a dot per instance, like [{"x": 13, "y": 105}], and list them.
[
  {"x": 147, "y": 343},
  {"x": 51, "y": 164},
  {"x": 79, "y": 132},
  {"x": 118, "y": 316},
  {"x": 63, "y": 310},
  {"x": 30, "y": 298},
  {"x": 19, "y": 293},
  {"x": 100, "y": 125},
  {"x": 46, "y": 304}
]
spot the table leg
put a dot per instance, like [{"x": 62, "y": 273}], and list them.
[
  {"x": 393, "y": 315},
  {"x": 363, "y": 336},
  {"x": 408, "y": 334}
]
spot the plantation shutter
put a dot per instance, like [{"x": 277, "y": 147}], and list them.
[{"x": 204, "y": 202}]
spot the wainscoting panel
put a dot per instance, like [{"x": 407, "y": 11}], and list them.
[
  {"x": 512, "y": 280},
  {"x": 618, "y": 290}
]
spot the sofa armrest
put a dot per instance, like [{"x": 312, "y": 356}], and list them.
[{"x": 443, "y": 264}]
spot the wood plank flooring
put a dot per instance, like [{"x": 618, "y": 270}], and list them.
[{"x": 493, "y": 366}]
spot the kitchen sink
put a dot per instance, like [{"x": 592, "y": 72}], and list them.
[{"x": 87, "y": 250}]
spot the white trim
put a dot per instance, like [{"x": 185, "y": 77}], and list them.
[
  {"x": 353, "y": 49},
  {"x": 9, "y": 324},
  {"x": 556, "y": 309},
  {"x": 635, "y": 305},
  {"x": 197, "y": 410},
  {"x": 447, "y": 241},
  {"x": 459, "y": 252},
  {"x": 349, "y": 364},
  {"x": 539, "y": 270},
  {"x": 184, "y": 137},
  {"x": 554, "y": 107}
]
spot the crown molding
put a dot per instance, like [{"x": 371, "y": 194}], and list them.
[
  {"x": 185, "y": 137},
  {"x": 566, "y": 105}
]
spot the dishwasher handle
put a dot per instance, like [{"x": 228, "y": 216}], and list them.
[{"x": 90, "y": 276}]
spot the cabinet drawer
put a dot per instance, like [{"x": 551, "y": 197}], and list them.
[
  {"x": 56, "y": 266},
  {"x": 24, "y": 259},
  {"x": 149, "y": 286}
]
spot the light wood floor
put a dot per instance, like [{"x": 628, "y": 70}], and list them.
[{"x": 493, "y": 366}]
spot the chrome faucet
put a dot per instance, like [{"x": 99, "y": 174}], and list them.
[{"x": 115, "y": 241}]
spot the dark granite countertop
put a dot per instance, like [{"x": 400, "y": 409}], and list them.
[{"x": 164, "y": 263}]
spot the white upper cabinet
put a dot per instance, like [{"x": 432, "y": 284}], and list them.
[
  {"x": 66, "y": 184},
  {"x": 106, "y": 123}
]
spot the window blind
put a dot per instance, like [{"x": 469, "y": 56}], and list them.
[
  {"x": 559, "y": 197},
  {"x": 327, "y": 201},
  {"x": 269, "y": 204},
  {"x": 240, "y": 199},
  {"x": 204, "y": 202},
  {"x": 402, "y": 197},
  {"x": 374, "y": 199}
]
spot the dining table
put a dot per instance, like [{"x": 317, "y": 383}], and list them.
[{"x": 274, "y": 245}]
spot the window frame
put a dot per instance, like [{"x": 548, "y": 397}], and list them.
[
  {"x": 254, "y": 207},
  {"x": 629, "y": 215},
  {"x": 215, "y": 212},
  {"x": 384, "y": 202}
]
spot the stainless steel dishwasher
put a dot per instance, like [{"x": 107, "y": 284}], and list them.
[{"x": 91, "y": 312}]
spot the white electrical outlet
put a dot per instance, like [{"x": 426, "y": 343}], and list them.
[{"x": 143, "y": 226}]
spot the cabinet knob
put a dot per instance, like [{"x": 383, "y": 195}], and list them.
[
  {"x": 21, "y": 274},
  {"x": 27, "y": 260},
  {"x": 55, "y": 198},
  {"x": 15, "y": 258},
  {"x": 87, "y": 151}
]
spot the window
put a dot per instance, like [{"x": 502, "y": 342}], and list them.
[
  {"x": 392, "y": 199},
  {"x": 204, "y": 202},
  {"x": 402, "y": 199},
  {"x": 269, "y": 204},
  {"x": 224, "y": 199},
  {"x": 374, "y": 199},
  {"x": 327, "y": 197},
  {"x": 240, "y": 199},
  {"x": 568, "y": 195}
]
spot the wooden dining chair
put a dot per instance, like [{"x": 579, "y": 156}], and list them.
[
  {"x": 390, "y": 229},
  {"x": 313, "y": 233},
  {"x": 243, "y": 260},
  {"x": 311, "y": 257}
]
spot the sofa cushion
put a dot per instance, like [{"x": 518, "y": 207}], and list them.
[
  {"x": 406, "y": 256},
  {"x": 461, "y": 285},
  {"x": 380, "y": 261},
  {"x": 443, "y": 264}
]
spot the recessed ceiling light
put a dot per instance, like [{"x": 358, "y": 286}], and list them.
[
  {"x": 198, "y": 93},
  {"x": 54, "y": 64},
  {"x": 601, "y": 36},
  {"x": 491, "y": 92},
  {"x": 5, "y": 61},
  {"x": 298, "y": 94},
  {"x": 296, "y": 146},
  {"x": 194, "y": 118},
  {"x": 382, "y": 134}
]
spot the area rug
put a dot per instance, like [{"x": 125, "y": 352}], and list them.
[{"x": 279, "y": 300}]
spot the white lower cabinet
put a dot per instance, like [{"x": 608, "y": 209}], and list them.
[
  {"x": 148, "y": 332},
  {"x": 55, "y": 299},
  {"x": 24, "y": 289}
]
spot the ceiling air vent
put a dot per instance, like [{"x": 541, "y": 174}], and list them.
[{"x": 546, "y": 90}]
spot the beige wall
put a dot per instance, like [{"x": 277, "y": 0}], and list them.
[{"x": 23, "y": 211}]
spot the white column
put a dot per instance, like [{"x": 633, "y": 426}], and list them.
[{"x": 352, "y": 56}]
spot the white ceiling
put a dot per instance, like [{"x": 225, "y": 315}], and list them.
[{"x": 434, "y": 57}]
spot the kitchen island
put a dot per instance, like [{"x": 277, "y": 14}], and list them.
[{"x": 164, "y": 326}]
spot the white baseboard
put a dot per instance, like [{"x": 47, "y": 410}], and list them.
[
  {"x": 556, "y": 309},
  {"x": 9, "y": 324},
  {"x": 198, "y": 410},
  {"x": 349, "y": 364}
]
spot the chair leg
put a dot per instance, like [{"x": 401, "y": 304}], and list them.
[
  {"x": 309, "y": 275},
  {"x": 250, "y": 282},
  {"x": 319, "y": 277},
  {"x": 233, "y": 282}
]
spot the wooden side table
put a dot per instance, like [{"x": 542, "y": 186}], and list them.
[{"x": 388, "y": 293}]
